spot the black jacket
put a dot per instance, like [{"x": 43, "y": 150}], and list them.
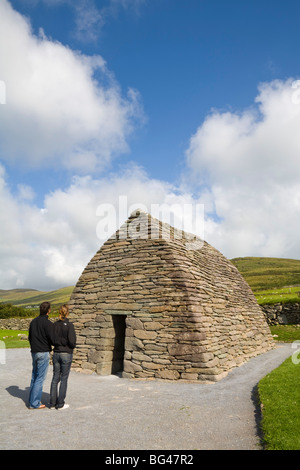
[
  {"x": 41, "y": 334},
  {"x": 64, "y": 336}
]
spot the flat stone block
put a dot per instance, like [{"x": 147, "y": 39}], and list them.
[
  {"x": 167, "y": 374},
  {"x": 151, "y": 365},
  {"x": 133, "y": 344},
  {"x": 142, "y": 334},
  {"x": 185, "y": 349},
  {"x": 99, "y": 356},
  {"x": 104, "y": 368},
  {"x": 107, "y": 333},
  {"x": 189, "y": 376},
  {"x": 131, "y": 367}
]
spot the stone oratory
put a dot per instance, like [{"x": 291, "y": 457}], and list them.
[{"x": 156, "y": 302}]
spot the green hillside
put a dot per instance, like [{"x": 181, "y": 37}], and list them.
[
  {"x": 33, "y": 298},
  {"x": 269, "y": 273},
  {"x": 271, "y": 279},
  {"x": 17, "y": 294}
]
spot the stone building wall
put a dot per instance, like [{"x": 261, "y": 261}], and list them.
[{"x": 163, "y": 308}]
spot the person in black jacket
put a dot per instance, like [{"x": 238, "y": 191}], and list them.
[
  {"x": 41, "y": 339},
  {"x": 64, "y": 343}
]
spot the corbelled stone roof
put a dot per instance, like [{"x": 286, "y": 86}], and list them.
[{"x": 183, "y": 309}]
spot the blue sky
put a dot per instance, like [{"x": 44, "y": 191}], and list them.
[
  {"x": 183, "y": 60},
  {"x": 163, "y": 101}
]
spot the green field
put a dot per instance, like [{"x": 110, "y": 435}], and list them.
[
  {"x": 286, "y": 333},
  {"x": 269, "y": 273},
  {"x": 279, "y": 394},
  {"x": 12, "y": 339},
  {"x": 274, "y": 296},
  {"x": 272, "y": 280}
]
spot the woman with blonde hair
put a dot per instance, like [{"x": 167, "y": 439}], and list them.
[{"x": 64, "y": 343}]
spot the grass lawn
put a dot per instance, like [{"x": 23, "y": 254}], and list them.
[
  {"x": 279, "y": 394},
  {"x": 276, "y": 296},
  {"x": 286, "y": 333},
  {"x": 12, "y": 340}
]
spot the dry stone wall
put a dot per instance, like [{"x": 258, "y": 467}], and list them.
[
  {"x": 282, "y": 314},
  {"x": 15, "y": 323},
  {"x": 165, "y": 307}
]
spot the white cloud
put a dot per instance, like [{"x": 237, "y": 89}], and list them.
[
  {"x": 54, "y": 104},
  {"x": 49, "y": 247},
  {"x": 252, "y": 199},
  {"x": 133, "y": 4},
  {"x": 25, "y": 192},
  {"x": 89, "y": 20},
  {"x": 249, "y": 163},
  {"x": 89, "y": 16}
]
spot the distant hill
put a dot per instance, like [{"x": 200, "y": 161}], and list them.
[
  {"x": 33, "y": 298},
  {"x": 269, "y": 273},
  {"x": 16, "y": 294}
]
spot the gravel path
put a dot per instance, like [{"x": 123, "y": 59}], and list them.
[{"x": 112, "y": 413}]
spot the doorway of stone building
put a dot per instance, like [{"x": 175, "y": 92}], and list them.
[{"x": 119, "y": 322}]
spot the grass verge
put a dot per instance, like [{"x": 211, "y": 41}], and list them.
[
  {"x": 286, "y": 333},
  {"x": 277, "y": 296},
  {"x": 279, "y": 395},
  {"x": 12, "y": 340}
]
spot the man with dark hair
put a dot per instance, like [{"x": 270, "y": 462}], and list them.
[{"x": 41, "y": 340}]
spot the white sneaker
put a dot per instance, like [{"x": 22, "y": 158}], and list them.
[{"x": 63, "y": 407}]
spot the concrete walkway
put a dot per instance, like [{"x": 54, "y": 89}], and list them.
[{"x": 112, "y": 413}]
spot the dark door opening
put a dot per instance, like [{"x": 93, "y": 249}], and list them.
[{"x": 119, "y": 322}]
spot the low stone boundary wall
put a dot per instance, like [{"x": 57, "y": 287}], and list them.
[
  {"x": 15, "y": 323},
  {"x": 282, "y": 314}
]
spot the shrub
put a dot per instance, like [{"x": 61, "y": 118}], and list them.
[{"x": 12, "y": 311}]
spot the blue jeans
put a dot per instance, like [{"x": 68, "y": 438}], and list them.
[
  {"x": 61, "y": 369},
  {"x": 40, "y": 363}
]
